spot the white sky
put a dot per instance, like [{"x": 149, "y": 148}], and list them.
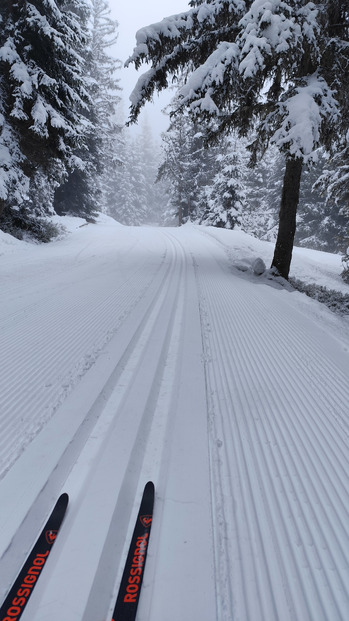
[{"x": 133, "y": 15}]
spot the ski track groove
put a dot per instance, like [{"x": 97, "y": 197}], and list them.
[
  {"x": 27, "y": 397},
  {"x": 178, "y": 498},
  {"x": 75, "y": 444},
  {"x": 283, "y": 478},
  {"x": 277, "y": 460},
  {"x": 156, "y": 453},
  {"x": 131, "y": 484},
  {"x": 130, "y": 388}
]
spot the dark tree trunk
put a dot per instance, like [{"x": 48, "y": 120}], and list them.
[
  {"x": 180, "y": 212},
  {"x": 287, "y": 217}
]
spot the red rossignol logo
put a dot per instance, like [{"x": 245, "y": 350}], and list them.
[
  {"x": 136, "y": 571},
  {"x": 24, "y": 589},
  {"x": 50, "y": 536},
  {"x": 146, "y": 520}
]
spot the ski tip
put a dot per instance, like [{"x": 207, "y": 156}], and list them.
[
  {"x": 63, "y": 500},
  {"x": 149, "y": 486}
]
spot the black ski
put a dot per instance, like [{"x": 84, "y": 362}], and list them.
[
  {"x": 20, "y": 592},
  {"x": 131, "y": 582}
]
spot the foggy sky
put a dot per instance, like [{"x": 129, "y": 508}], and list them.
[{"x": 133, "y": 15}]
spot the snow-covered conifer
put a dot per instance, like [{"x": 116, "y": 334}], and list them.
[
  {"x": 150, "y": 154},
  {"x": 128, "y": 204},
  {"x": 88, "y": 183},
  {"x": 14, "y": 183},
  {"x": 46, "y": 98},
  {"x": 321, "y": 222},
  {"x": 272, "y": 65},
  {"x": 188, "y": 167},
  {"x": 78, "y": 192},
  {"x": 263, "y": 184},
  {"x": 105, "y": 91},
  {"x": 226, "y": 196}
]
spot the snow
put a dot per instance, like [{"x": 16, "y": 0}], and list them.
[
  {"x": 210, "y": 72},
  {"x": 311, "y": 266},
  {"x": 169, "y": 27},
  {"x": 274, "y": 27},
  {"x": 135, "y": 354},
  {"x": 39, "y": 116},
  {"x": 303, "y": 116}
]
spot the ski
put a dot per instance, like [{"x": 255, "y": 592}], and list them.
[
  {"x": 22, "y": 588},
  {"x": 132, "y": 578}
]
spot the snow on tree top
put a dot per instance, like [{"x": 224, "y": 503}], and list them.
[{"x": 273, "y": 27}]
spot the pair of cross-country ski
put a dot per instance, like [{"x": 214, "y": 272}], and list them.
[{"x": 131, "y": 582}]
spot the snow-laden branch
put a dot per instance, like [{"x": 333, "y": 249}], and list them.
[
  {"x": 302, "y": 116},
  {"x": 273, "y": 27},
  {"x": 169, "y": 31},
  {"x": 210, "y": 74}
]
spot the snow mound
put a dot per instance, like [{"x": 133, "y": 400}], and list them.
[
  {"x": 10, "y": 244},
  {"x": 68, "y": 223},
  {"x": 250, "y": 265},
  {"x": 71, "y": 224},
  {"x": 258, "y": 267}
]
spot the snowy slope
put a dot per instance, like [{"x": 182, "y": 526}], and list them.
[{"x": 130, "y": 354}]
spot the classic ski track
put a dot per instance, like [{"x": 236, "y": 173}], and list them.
[
  {"x": 159, "y": 445},
  {"x": 115, "y": 447},
  {"x": 27, "y": 400},
  {"x": 182, "y": 528},
  {"x": 20, "y": 527},
  {"x": 146, "y": 460},
  {"x": 287, "y": 545},
  {"x": 268, "y": 509}
]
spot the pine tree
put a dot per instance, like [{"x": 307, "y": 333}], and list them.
[
  {"x": 321, "y": 224},
  {"x": 45, "y": 100},
  {"x": 128, "y": 202},
  {"x": 133, "y": 197},
  {"x": 149, "y": 152},
  {"x": 334, "y": 183},
  {"x": 136, "y": 172},
  {"x": 335, "y": 180},
  {"x": 226, "y": 196},
  {"x": 88, "y": 183},
  {"x": 14, "y": 183},
  {"x": 173, "y": 168},
  {"x": 263, "y": 187},
  {"x": 105, "y": 92},
  {"x": 188, "y": 167},
  {"x": 280, "y": 67},
  {"x": 120, "y": 189},
  {"x": 78, "y": 193}
]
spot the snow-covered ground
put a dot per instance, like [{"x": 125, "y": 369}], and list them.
[{"x": 130, "y": 354}]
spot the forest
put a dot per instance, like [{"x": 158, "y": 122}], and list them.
[{"x": 258, "y": 133}]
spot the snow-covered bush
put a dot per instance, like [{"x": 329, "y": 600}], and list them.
[
  {"x": 335, "y": 300},
  {"x": 20, "y": 223}
]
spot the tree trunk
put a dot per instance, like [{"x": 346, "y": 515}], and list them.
[
  {"x": 180, "y": 215},
  {"x": 287, "y": 217}
]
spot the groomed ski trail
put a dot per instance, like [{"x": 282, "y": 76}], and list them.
[
  {"x": 278, "y": 411},
  {"x": 163, "y": 364}
]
